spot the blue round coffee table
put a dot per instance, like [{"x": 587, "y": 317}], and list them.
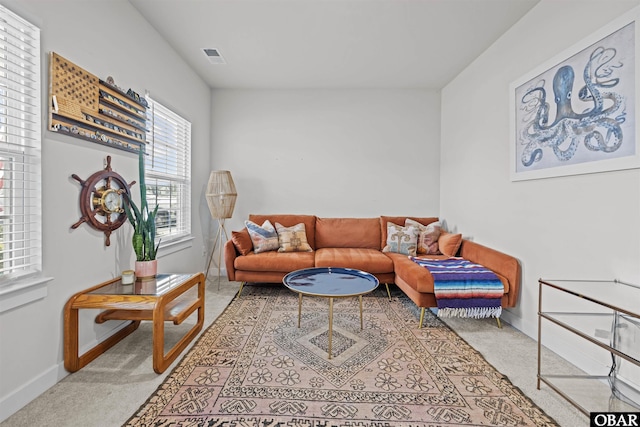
[{"x": 330, "y": 282}]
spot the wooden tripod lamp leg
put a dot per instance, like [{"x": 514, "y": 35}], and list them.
[{"x": 221, "y": 237}]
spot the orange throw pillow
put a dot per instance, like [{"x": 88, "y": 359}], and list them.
[
  {"x": 449, "y": 243},
  {"x": 242, "y": 241}
]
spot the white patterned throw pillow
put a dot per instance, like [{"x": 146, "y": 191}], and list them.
[
  {"x": 264, "y": 238},
  {"x": 401, "y": 240}
]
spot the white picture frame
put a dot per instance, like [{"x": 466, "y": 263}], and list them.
[{"x": 577, "y": 112}]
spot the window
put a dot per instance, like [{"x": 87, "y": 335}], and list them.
[
  {"x": 168, "y": 171},
  {"x": 20, "y": 133}
]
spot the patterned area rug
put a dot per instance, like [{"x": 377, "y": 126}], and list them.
[{"x": 254, "y": 367}]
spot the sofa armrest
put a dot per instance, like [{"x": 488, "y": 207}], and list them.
[
  {"x": 504, "y": 265},
  {"x": 230, "y": 255}
]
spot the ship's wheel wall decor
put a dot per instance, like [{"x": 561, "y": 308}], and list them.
[{"x": 102, "y": 200}]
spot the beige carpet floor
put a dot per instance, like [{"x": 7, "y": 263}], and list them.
[{"x": 112, "y": 388}]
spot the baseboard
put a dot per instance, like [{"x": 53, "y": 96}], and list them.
[
  {"x": 19, "y": 398},
  {"x": 518, "y": 323}
]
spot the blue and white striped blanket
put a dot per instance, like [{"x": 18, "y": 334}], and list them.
[{"x": 464, "y": 289}]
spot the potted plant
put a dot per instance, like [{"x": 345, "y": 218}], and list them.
[{"x": 144, "y": 229}]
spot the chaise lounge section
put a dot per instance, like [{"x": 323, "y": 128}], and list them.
[{"x": 359, "y": 243}]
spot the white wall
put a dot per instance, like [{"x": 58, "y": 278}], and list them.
[
  {"x": 105, "y": 38},
  {"x": 583, "y": 226},
  {"x": 331, "y": 153}
]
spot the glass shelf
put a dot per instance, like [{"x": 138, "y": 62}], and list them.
[
  {"x": 604, "y": 313},
  {"x": 593, "y": 392}
]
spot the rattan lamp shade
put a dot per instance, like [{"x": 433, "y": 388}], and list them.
[{"x": 221, "y": 194}]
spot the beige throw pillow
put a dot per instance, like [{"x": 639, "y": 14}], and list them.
[
  {"x": 428, "y": 237},
  {"x": 292, "y": 239}
]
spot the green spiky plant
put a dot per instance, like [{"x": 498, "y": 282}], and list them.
[{"x": 143, "y": 220}]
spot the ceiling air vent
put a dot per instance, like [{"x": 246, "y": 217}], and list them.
[{"x": 214, "y": 56}]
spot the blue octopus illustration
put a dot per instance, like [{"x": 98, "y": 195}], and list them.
[{"x": 598, "y": 126}]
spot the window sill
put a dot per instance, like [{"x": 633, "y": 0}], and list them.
[
  {"x": 23, "y": 292},
  {"x": 175, "y": 246}
]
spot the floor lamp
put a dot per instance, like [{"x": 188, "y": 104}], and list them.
[{"x": 221, "y": 197}]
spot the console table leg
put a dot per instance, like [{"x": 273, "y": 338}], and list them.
[
  {"x": 162, "y": 361},
  {"x": 71, "y": 360}
]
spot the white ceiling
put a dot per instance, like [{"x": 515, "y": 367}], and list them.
[{"x": 332, "y": 43}]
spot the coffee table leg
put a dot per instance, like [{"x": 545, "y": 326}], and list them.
[
  {"x": 299, "y": 308},
  {"x": 360, "y": 298},
  {"x": 330, "y": 324}
]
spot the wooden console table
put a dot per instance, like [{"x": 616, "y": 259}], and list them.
[{"x": 168, "y": 297}]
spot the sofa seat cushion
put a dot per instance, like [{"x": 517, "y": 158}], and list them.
[
  {"x": 274, "y": 261},
  {"x": 369, "y": 260},
  {"x": 419, "y": 277}
]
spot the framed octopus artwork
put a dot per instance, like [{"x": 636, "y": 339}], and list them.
[{"x": 577, "y": 113}]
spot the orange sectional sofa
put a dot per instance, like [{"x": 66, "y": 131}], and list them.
[{"x": 357, "y": 243}]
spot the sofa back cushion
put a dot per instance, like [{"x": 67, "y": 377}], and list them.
[
  {"x": 289, "y": 220},
  {"x": 399, "y": 220},
  {"x": 348, "y": 233}
]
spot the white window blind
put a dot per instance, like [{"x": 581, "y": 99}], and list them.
[
  {"x": 168, "y": 171},
  {"x": 20, "y": 139}
]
